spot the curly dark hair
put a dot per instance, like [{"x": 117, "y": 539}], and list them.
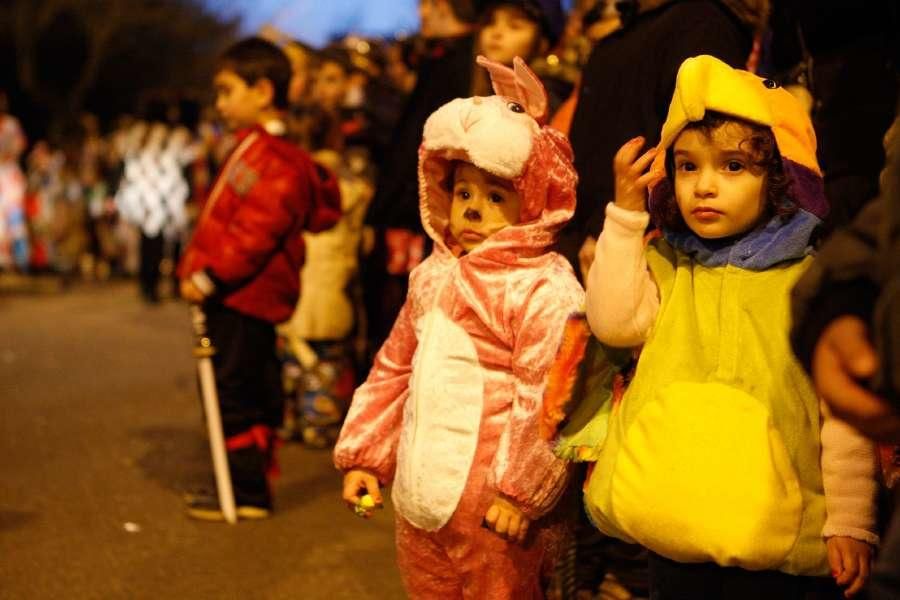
[{"x": 760, "y": 146}]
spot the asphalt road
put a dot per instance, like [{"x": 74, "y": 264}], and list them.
[{"x": 100, "y": 433}]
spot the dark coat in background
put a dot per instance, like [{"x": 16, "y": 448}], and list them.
[
  {"x": 445, "y": 74},
  {"x": 857, "y": 272},
  {"x": 847, "y": 55}
]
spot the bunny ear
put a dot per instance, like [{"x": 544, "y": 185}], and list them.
[
  {"x": 503, "y": 79},
  {"x": 519, "y": 83},
  {"x": 531, "y": 88}
]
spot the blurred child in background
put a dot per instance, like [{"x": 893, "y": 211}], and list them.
[
  {"x": 243, "y": 262},
  {"x": 321, "y": 333},
  {"x": 13, "y": 228},
  {"x": 524, "y": 28}
]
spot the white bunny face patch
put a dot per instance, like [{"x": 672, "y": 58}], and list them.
[{"x": 494, "y": 132}]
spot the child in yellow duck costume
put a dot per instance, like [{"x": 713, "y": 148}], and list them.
[{"x": 714, "y": 458}]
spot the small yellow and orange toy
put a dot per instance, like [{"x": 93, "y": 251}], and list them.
[{"x": 366, "y": 506}]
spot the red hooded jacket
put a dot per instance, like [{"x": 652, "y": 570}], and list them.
[{"x": 249, "y": 237}]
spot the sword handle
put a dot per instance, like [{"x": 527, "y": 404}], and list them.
[{"x": 203, "y": 347}]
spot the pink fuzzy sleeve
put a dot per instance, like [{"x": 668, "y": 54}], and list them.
[
  {"x": 371, "y": 430},
  {"x": 622, "y": 298},
  {"x": 525, "y": 469}
]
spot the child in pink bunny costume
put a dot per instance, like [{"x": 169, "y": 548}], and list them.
[{"x": 451, "y": 409}]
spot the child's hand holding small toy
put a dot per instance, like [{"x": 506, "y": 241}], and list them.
[
  {"x": 850, "y": 561},
  {"x": 191, "y": 292},
  {"x": 507, "y": 521},
  {"x": 632, "y": 176},
  {"x": 362, "y": 492}
]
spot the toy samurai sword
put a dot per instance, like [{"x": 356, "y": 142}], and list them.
[{"x": 204, "y": 351}]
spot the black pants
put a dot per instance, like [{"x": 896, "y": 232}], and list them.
[
  {"x": 148, "y": 274},
  {"x": 670, "y": 580},
  {"x": 248, "y": 381}
]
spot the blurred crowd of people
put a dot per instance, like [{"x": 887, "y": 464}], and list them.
[{"x": 93, "y": 205}]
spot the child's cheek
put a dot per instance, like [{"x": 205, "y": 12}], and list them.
[{"x": 682, "y": 197}]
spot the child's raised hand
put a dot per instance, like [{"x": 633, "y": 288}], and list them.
[
  {"x": 850, "y": 562},
  {"x": 631, "y": 179},
  {"x": 507, "y": 521},
  {"x": 358, "y": 483}
]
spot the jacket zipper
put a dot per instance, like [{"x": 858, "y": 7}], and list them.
[{"x": 215, "y": 194}]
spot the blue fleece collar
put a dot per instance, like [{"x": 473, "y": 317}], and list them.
[{"x": 776, "y": 242}]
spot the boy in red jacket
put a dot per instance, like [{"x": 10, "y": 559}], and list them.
[{"x": 244, "y": 260}]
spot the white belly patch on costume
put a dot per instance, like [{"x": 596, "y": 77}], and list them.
[{"x": 441, "y": 421}]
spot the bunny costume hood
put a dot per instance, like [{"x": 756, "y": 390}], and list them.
[
  {"x": 451, "y": 408},
  {"x": 505, "y": 136}
]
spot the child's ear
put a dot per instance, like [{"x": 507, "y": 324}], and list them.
[{"x": 264, "y": 92}]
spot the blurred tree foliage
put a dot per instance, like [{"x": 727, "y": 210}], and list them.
[{"x": 108, "y": 56}]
